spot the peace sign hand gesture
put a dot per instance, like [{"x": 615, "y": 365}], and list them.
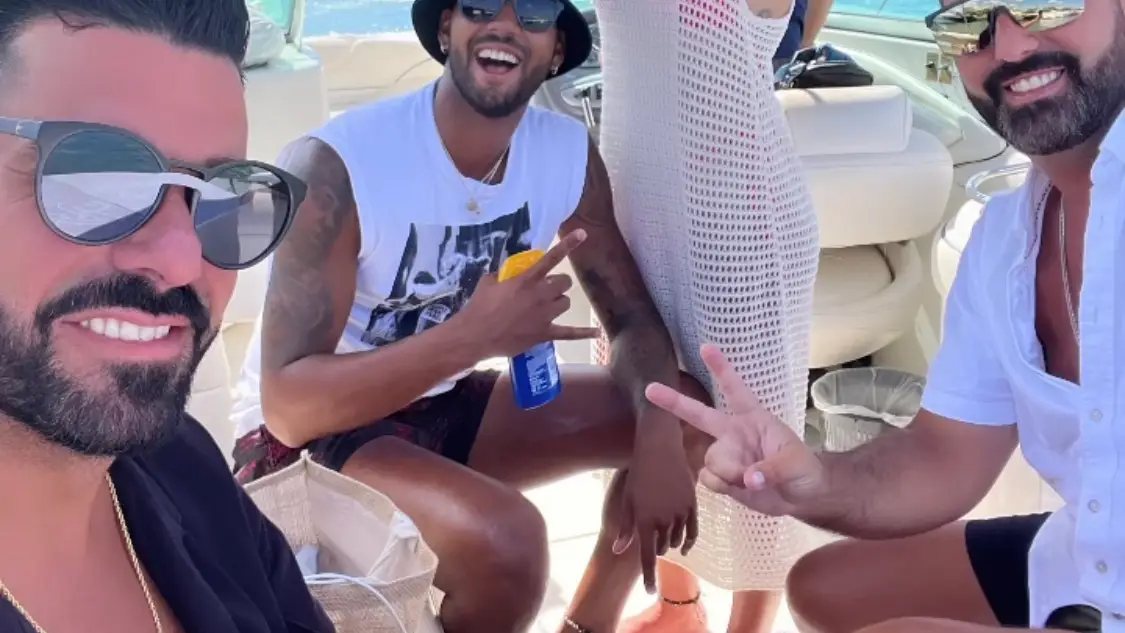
[{"x": 755, "y": 459}]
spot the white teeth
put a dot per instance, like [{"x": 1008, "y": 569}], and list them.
[
  {"x": 125, "y": 331},
  {"x": 1034, "y": 82},
  {"x": 498, "y": 56}
]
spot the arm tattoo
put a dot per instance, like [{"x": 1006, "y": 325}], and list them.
[
  {"x": 642, "y": 349},
  {"x": 298, "y": 317}
]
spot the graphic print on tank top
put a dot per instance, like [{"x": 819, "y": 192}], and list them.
[{"x": 439, "y": 270}]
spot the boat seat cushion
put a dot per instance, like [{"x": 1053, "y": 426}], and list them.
[
  {"x": 950, "y": 242},
  {"x": 874, "y": 177},
  {"x": 865, "y": 298}
]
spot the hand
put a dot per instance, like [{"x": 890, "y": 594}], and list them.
[
  {"x": 755, "y": 458},
  {"x": 519, "y": 313},
  {"x": 658, "y": 509}
]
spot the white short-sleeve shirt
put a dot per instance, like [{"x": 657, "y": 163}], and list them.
[{"x": 990, "y": 370}]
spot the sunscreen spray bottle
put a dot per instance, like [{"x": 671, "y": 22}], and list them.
[{"x": 534, "y": 373}]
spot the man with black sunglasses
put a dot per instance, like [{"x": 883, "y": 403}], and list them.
[
  {"x": 126, "y": 209},
  {"x": 384, "y": 300},
  {"x": 1031, "y": 356}
]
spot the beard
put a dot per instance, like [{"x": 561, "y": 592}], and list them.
[
  {"x": 1061, "y": 122},
  {"x": 491, "y": 103},
  {"x": 143, "y": 404}
]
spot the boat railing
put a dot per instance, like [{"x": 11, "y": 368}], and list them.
[
  {"x": 583, "y": 92},
  {"x": 973, "y": 186}
]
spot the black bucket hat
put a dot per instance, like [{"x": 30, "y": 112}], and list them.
[{"x": 426, "y": 15}]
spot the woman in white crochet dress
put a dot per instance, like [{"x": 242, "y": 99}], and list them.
[{"x": 711, "y": 199}]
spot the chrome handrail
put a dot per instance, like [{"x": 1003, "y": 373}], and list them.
[
  {"x": 583, "y": 89},
  {"x": 586, "y": 83},
  {"x": 972, "y": 187}
]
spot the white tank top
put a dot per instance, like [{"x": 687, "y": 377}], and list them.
[{"x": 422, "y": 250}]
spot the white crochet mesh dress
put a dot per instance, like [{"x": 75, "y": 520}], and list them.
[{"x": 711, "y": 199}]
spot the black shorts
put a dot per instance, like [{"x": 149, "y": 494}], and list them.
[
  {"x": 446, "y": 424},
  {"x": 998, "y": 550}
]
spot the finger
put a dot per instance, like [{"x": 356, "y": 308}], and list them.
[
  {"x": 486, "y": 281},
  {"x": 662, "y": 540},
  {"x": 648, "y": 558},
  {"x": 754, "y": 478},
  {"x": 789, "y": 463},
  {"x": 676, "y": 534},
  {"x": 558, "y": 307},
  {"x": 626, "y": 530},
  {"x": 766, "y": 502},
  {"x": 570, "y": 333},
  {"x": 726, "y": 462},
  {"x": 558, "y": 252},
  {"x": 740, "y": 398},
  {"x": 689, "y": 410},
  {"x": 556, "y": 285},
  {"x": 691, "y": 532},
  {"x": 715, "y": 484}
]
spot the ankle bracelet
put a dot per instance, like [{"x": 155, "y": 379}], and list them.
[
  {"x": 575, "y": 626},
  {"x": 683, "y": 603}
]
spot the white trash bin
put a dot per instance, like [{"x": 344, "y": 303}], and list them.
[{"x": 857, "y": 404}]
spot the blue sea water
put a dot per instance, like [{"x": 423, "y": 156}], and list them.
[{"x": 323, "y": 17}]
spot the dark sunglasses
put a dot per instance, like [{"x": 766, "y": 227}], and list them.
[
  {"x": 97, "y": 185},
  {"x": 965, "y": 27},
  {"x": 535, "y": 16}
]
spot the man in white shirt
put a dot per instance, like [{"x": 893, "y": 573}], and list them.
[{"x": 1024, "y": 320}]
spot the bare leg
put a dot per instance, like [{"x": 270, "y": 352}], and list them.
[
  {"x": 754, "y": 611},
  {"x": 934, "y": 625},
  {"x": 677, "y": 609},
  {"x": 849, "y": 585},
  {"x": 610, "y": 577},
  {"x": 491, "y": 542}
]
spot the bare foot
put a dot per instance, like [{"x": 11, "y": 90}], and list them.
[{"x": 662, "y": 616}]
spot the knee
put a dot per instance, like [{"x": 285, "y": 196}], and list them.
[
  {"x": 913, "y": 625},
  {"x": 816, "y": 586},
  {"x": 507, "y": 547}
]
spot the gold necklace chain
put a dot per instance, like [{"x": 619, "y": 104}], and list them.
[
  {"x": 1070, "y": 311},
  {"x": 124, "y": 528},
  {"x": 472, "y": 205}
]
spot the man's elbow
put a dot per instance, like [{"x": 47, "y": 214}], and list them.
[{"x": 282, "y": 413}]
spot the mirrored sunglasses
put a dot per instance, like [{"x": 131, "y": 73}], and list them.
[{"x": 98, "y": 184}]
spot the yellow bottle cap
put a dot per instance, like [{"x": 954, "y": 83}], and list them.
[{"x": 519, "y": 263}]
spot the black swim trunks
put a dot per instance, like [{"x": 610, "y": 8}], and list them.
[{"x": 446, "y": 424}]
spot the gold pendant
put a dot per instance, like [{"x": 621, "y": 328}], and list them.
[{"x": 472, "y": 205}]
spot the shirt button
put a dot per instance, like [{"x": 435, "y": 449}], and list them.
[
  {"x": 1094, "y": 506},
  {"x": 1096, "y": 415},
  {"x": 1101, "y": 567}
]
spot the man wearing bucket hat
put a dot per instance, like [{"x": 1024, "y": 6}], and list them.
[
  {"x": 384, "y": 301},
  {"x": 1031, "y": 355}
]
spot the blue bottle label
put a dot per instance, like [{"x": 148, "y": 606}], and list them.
[{"x": 535, "y": 376}]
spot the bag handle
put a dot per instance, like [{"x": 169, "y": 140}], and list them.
[{"x": 341, "y": 579}]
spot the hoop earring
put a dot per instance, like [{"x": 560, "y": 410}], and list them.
[
  {"x": 554, "y": 71},
  {"x": 444, "y": 49}
]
